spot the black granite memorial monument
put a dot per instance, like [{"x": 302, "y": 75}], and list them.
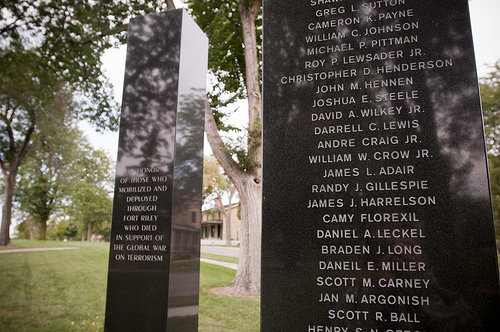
[
  {"x": 376, "y": 203},
  {"x": 153, "y": 281}
]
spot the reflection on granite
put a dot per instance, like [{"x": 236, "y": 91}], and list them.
[
  {"x": 153, "y": 278},
  {"x": 382, "y": 219}
]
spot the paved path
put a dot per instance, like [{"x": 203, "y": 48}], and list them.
[
  {"x": 224, "y": 251},
  {"x": 205, "y": 260},
  {"x": 220, "y": 263},
  {"x": 35, "y": 249}
]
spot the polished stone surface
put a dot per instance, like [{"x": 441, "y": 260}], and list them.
[
  {"x": 376, "y": 204},
  {"x": 153, "y": 280}
]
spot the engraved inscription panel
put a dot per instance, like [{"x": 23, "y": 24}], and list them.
[
  {"x": 153, "y": 279},
  {"x": 376, "y": 213}
]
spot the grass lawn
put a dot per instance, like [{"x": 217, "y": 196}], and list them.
[
  {"x": 228, "y": 259},
  {"x": 66, "y": 291}
]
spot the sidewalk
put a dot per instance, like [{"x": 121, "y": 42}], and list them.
[
  {"x": 204, "y": 260},
  {"x": 6, "y": 251},
  {"x": 221, "y": 250},
  {"x": 220, "y": 263}
]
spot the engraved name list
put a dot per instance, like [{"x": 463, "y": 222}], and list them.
[{"x": 358, "y": 93}]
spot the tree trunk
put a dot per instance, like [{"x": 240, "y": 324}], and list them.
[
  {"x": 43, "y": 225},
  {"x": 7, "y": 208},
  {"x": 89, "y": 230},
  {"x": 247, "y": 279},
  {"x": 43, "y": 230},
  {"x": 9, "y": 176},
  {"x": 170, "y": 4},
  {"x": 247, "y": 182},
  {"x": 252, "y": 82}
]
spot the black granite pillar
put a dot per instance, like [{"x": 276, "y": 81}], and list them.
[
  {"x": 376, "y": 205},
  {"x": 153, "y": 281}
]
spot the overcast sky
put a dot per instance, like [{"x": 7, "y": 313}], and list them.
[{"x": 486, "y": 34}]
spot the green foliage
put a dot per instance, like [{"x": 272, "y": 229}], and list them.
[
  {"x": 216, "y": 184},
  {"x": 72, "y": 230},
  {"x": 494, "y": 169},
  {"x": 490, "y": 99},
  {"x": 65, "y": 41},
  {"x": 24, "y": 228},
  {"x": 219, "y": 19},
  {"x": 60, "y": 229},
  {"x": 221, "y": 22},
  {"x": 90, "y": 189},
  {"x": 50, "y": 48},
  {"x": 43, "y": 178},
  {"x": 65, "y": 175},
  {"x": 237, "y": 148},
  {"x": 29, "y": 100}
]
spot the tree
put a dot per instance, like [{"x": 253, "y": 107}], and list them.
[
  {"x": 37, "y": 192},
  {"x": 217, "y": 186},
  {"x": 494, "y": 169},
  {"x": 490, "y": 100},
  {"x": 44, "y": 176},
  {"x": 26, "y": 228},
  {"x": 90, "y": 187},
  {"x": 64, "y": 173},
  {"x": 24, "y": 100},
  {"x": 49, "y": 48},
  {"x": 92, "y": 207},
  {"x": 234, "y": 61}
]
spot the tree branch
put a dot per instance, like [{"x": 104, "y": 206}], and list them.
[
  {"x": 103, "y": 34},
  {"x": 243, "y": 3},
  {"x": 253, "y": 10},
  {"x": 4, "y": 170},
  {"x": 248, "y": 16},
  {"x": 26, "y": 147},
  {"x": 218, "y": 148},
  {"x": 256, "y": 7},
  {"x": 73, "y": 40},
  {"x": 11, "y": 27},
  {"x": 170, "y": 4}
]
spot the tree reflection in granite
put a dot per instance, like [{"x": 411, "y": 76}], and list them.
[
  {"x": 153, "y": 279},
  {"x": 412, "y": 111}
]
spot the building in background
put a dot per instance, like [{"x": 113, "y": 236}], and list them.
[{"x": 214, "y": 223}]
